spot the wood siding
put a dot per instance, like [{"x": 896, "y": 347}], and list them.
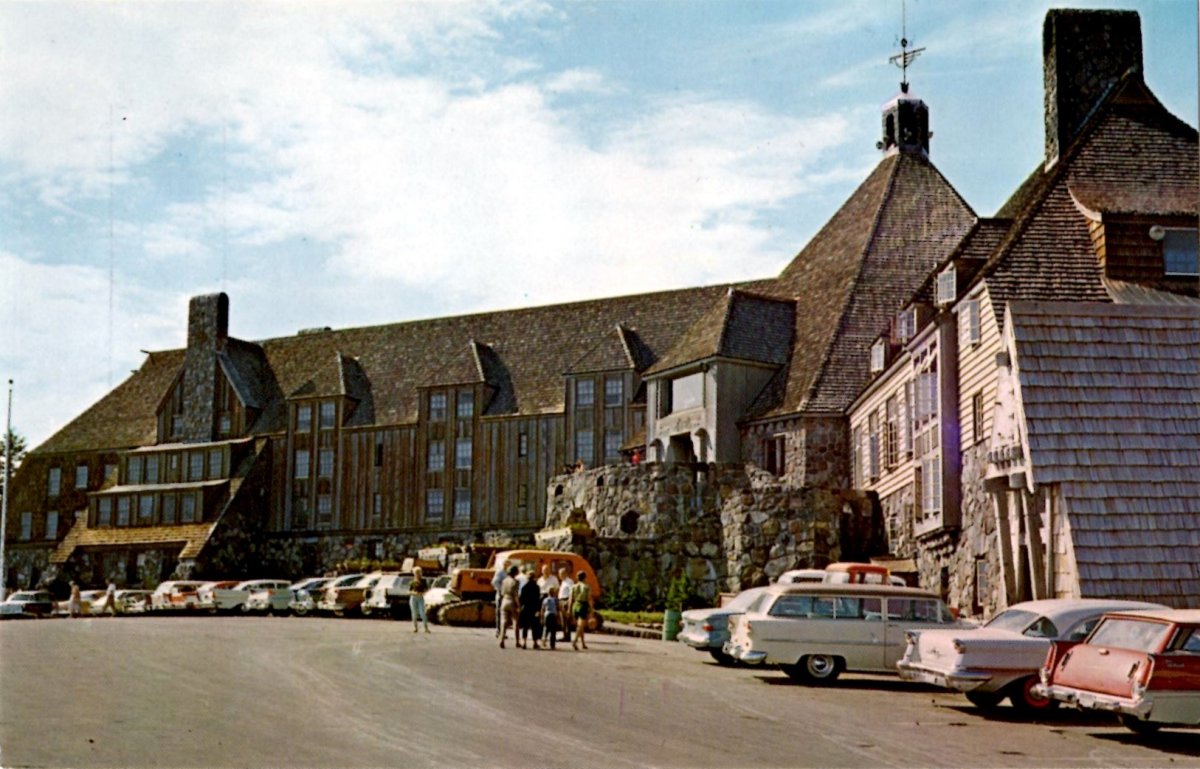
[{"x": 977, "y": 374}]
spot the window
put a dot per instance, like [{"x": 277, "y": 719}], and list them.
[
  {"x": 123, "y": 504},
  {"x": 224, "y": 423},
  {"x": 687, "y": 392},
  {"x": 133, "y": 470},
  {"x": 215, "y": 463},
  {"x": 328, "y": 415},
  {"x": 110, "y": 471},
  {"x": 437, "y": 457},
  {"x": 324, "y": 510},
  {"x": 462, "y": 454},
  {"x": 465, "y": 408},
  {"x": 775, "y": 455},
  {"x": 585, "y": 392},
  {"x": 152, "y": 469},
  {"x": 51, "y": 525},
  {"x": 325, "y": 463},
  {"x": 977, "y": 416},
  {"x": 104, "y": 511},
  {"x": 968, "y": 324},
  {"x": 612, "y": 445},
  {"x": 26, "y": 525},
  {"x": 168, "y": 508},
  {"x": 146, "y": 509},
  {"x": 931, "y": 486},
  {"x": 614, "y": 391},
  {"x": 187, "y": 508},
  {"x": 462, "y": 503},
  {"x": 875, "y": 439},
  {"x": 584, "y": 446},
  {"x": 523, "y": 445},
  {"x": 878, "y": 356},
  {"x": 437, "y": 407},
  {"x": 906, "y": 325},
  {"x": 947, "y": 286},
  {"x": 81, "y": 476},
  {"x": 857, "y": 440},
  {"x": 435, "y": 504},
  {"x": 1180, "y": 250},
  {"x": 302, "y": 464},
  {"x": 523, "y": 495},
  {"x": 196, "y": 466},
  {"x": 304, "y": 418},
  {"x": 891, "y": 432},
  {"x": 55, "y": 482}
]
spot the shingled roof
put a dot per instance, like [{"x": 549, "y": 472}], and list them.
[
  {"x": 741, "y": 326},
  {"x": 526, "y": 352},
  {"x": 867, "y": 260},
  {"x": 1111, "y": 401},
  {"x": 1132, "y": 157}
]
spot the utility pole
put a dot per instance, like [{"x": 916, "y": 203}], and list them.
[{"x": 8, "y": 449}]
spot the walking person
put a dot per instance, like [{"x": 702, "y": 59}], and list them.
[
  {"x": 531, "y": 604},
  {"x": 581, "y": 609},
  {"x": 416, "y": 598},
  {"x": 75, "y": 602},
  {"x": 549, "y": 617},
  {"x": 498, "y": 580},
  {"x": 510, "y": 602},
  {"x": 565, "y": 583},
  {"x": 110, "y": 599}
]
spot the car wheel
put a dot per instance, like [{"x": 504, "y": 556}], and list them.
[
  {"x": 1020, "y": 694},
  {"x": 721, "y": 657},
  {"x": 366, "y": 610},
  {"x": 299, "y": 611},
  {"x": 984, "y": 700},
  {"x": 1138, "y": 726},
  {"x": 815, "y": 669}
]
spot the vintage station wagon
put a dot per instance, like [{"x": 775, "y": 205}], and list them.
[{"x": 1142, "y": 665}]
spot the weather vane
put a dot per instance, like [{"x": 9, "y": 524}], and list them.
[{"x": 905, "y": 57}]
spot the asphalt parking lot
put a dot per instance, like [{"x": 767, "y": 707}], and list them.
[{"x": 262, "y": 691}]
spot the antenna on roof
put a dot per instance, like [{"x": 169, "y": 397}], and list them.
[{"x": 905, "y": 57}]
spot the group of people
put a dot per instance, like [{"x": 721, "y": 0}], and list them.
[
  {"x": 75, "y": 602},
  {"x": 539, "y": 607}
]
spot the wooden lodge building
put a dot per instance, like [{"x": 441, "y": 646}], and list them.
[{"x": 896, "y": 354}]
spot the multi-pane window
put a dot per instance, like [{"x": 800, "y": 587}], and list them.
[
  {"x": 54, "y": 482},
  {"x": 465, "y": 408},
  {"x": 969, "y": 332},
  {"x": 51, "y": 525},
  {"x": 26, "y": 525},
  {"x": 123, "y": 505},
  {"x": 931, "y": 485},
  {"x": 462, "y": 503},
  {"x": 304, "y": 418},
  {"x": 187, "y": 508},
  {"x": 462, "y": 454},
  {"x": 324, "y": 509},
  {"x": 168, "y": 508},
  {"x": 614, "y": 391},
  {"x": 437, "y": 457},
  {"x": 584, "y": 447},
  {"x": 947, "y": 286},
  {"x": 523, "y": 445},
  {"x": 891, "y": 432},
  {"x": 81, "y": 476},
  {"x": 215, "y": 462},
  {"x": 906, "y": 325},
  {"x": 437, "y": 407},
  {"x": 133, "y": 470},
  {"x": 878, "y": 356},
  {"x": 857, "y": 439},
  {"x": 152, "y": 469},
  {"x": 977, "y": 417},
  {"x": 328, "y": 415},
  {"x": 104, "y": 511},
  {"x": 1180, "y": 251},
  {"x": 302, "y": 464},
  {"x": 873, "y": 450},
  {"x": 585, "y": 392},
  {"x": 435, "y": 504},
  {"x": 196, "y": 466},
  {"x": 612, "y": 445},
  {"x": 145, "y": 508},
  {"x": 225, "y": 423},
  {"x": 325, "y": 463}
]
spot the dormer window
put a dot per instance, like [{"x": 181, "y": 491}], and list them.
[
  {"x": 437, "y": 407},
  {"x": 906, "y": 325},
  {"x": 878, "y": 356},
  {"x": 969, "y": 332},
  {"x": 1180, "y": 253},
  {"x": 947, "y": 287}
]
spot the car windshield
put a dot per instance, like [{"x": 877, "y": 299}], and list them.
[
  {"x": 22, "y": 597},
  {"x": 1134, "y": 634},
  {"x": 443, "y": 581},
  {"x": 741, "y": 601}
]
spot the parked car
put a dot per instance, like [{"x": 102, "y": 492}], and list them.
[
  {"x": 306, "y": 593},
  {"x": 439, "y": 592},
  {"x": 175, "y": 595},
  {"x": 340, "y": 599},
  {"x": 204, "y": 593},
  {"x": 27, "y": 603},
  {"x": 816, "y": 631},
  {"x": 271, "y": 597},
  {"x": 1142, "y": 665},
  {"x": 707, "y": 630},
  {"x": 87, "y": 602},
  {"x": 132, "y": 601},
  {"x": 865, "y": 573},
  {"x": 316, "y": 595},
  {"x": 1002, "y": 658},
  {"x": 224, "y": 596},
  {"x": 796, "y": 576},
  {"x": 389, "y": 594}
]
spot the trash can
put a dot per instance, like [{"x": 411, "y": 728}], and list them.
[{"x": 671, "y": 624}]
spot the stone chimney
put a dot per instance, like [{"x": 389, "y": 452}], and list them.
[
  {"x": 208, "y": 331},
  {"x": 1084, "y": 53}
]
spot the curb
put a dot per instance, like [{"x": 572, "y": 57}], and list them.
[{"x": 629, "y": 631}]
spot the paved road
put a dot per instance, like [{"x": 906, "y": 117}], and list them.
[{"x": 257, "y": 692}]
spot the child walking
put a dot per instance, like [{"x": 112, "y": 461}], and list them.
[{"x": 550, "y": 617}]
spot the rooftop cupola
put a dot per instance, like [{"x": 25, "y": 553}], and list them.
[{"x": 905, "y": 117}]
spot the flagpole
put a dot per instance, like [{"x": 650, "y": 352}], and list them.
[{"x": 4, "y": 494}]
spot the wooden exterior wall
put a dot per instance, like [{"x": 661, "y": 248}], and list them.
[{"x": 977, "y": 374}]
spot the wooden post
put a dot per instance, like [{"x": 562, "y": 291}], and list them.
[
  {"x": 1004, "y": 544},
  {"x": 1033, "y": 536}
]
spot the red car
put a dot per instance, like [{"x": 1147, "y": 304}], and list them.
[{"x": 1142, "y": 665}]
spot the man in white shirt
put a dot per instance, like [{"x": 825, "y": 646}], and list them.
[
  {"x": 565, "y": 583},
  {"x": 548, "y": 583}
]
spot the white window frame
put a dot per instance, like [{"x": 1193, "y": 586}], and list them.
[
  {"x": 585, "y": 392},
  {"x": 969, "y": 332},
  {"x": 435, "y": 460},
  {"x": 947, "y": 287},
  {"x": 878, "y": 356}
]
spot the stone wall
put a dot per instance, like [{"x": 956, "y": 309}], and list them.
[{"x": 816, "y": 449}]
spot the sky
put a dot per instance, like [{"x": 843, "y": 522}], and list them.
[{"x": 357, "y": 163}]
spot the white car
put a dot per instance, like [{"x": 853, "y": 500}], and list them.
[
  {"x": 220, "y": 597},
  {"x": 174, "y": 595},
  {"x": 439, "y": 592},
  {"x": 272, "y": 598},
  {"x": 1002, "y": 658},
  {"x": 341, "y": 597},
  {"x": 795, "y": 576},
  {"x": 389, "y": 594},
  {"x": 306, "y": 593}
]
